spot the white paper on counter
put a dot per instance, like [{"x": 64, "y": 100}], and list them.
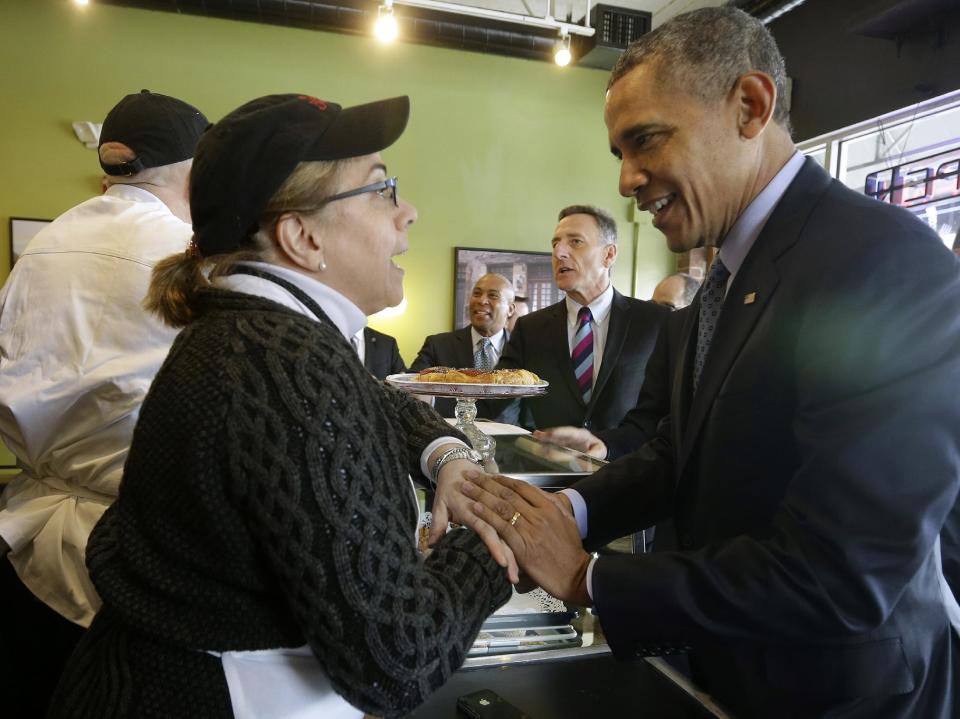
[{"x": 493, "y": 428}]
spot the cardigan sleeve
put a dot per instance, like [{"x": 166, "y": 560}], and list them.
[
  {"x": 321, "y": 452},
  {"x": 420, "y": 424}
]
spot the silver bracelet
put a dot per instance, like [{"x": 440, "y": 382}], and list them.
[{"x": 452, "y": 454}]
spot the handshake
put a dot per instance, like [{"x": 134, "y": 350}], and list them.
[{"x": 532, "y": 534}]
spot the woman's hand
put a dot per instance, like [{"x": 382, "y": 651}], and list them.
[
  {"x": 452, "y": 505},
  {"x": 538, "y": 527}
]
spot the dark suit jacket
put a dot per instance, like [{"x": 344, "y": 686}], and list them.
[
  {"x": 539, "y": 343},
  {"x": 447, "y": 349},
  {"x": 808, "y": 478},
  {"x": 381, "y": 354},
  {"x": 653, "y": 404}
]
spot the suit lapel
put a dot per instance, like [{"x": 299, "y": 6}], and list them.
[
  {"x": 747, "y": 297},
  {"x": 370, "y": 351},
  {"x": 617, "y": 329},
  {"x": 681, "y": 389},
  {"x": 463, "y": 349},
  {"x": 733, "y": 328},
  {"x": 559, "y": 347}
]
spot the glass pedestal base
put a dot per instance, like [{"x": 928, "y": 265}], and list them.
[{"x": 466, "y": 413}]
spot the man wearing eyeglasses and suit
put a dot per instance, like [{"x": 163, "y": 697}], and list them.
[{"x": 593, "y": 346}]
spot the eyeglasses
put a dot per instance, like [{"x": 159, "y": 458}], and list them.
[{"x": 386, "y": 189}]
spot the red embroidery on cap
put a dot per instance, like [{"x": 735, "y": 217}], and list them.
[{"x": 315, "y": 101}]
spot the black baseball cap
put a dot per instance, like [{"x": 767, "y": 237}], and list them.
[
  {"x": 243, "y": 159},
  {"x": 161, "y": 130}
]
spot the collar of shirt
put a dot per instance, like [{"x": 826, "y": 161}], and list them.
[
  {"x": 745, "y": 231},
  {"x": 496, "y": 340},
  {"x": 599, "y": 308},
  {"x": 133, "y": 193},
  {"x": 346, "y": 316}
]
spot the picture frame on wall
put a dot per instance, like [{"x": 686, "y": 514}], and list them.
[
  {"x": 530, "y": 273},
  {"x": 22, "y": 230}
]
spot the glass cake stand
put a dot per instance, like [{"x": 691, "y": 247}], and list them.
[{"x": 466, "y": 408}]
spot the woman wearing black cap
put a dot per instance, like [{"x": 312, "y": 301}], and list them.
[{"x": 260, "y": 560}]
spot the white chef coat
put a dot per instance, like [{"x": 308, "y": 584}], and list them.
[{"x": 77, "y": 355}]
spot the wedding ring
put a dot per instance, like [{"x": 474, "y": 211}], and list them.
[{"x": 514, "y": 518}]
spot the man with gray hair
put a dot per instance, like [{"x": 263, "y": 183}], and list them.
[
  {"x": 77, "y": 356},
  {"x": 592, "y": 347},
  {"x": 811, "y": 453}
]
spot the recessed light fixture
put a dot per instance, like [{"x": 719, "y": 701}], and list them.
[{"x": 81, "y": 3}]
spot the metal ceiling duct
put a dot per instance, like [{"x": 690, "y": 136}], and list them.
[{"x": 417, "y": 25}]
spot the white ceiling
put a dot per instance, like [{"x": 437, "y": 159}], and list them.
[{"x": 662, "y": 9}]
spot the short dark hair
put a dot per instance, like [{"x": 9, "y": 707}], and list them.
[
  {"x": 605, "y": 221},
  {"x": 706, "y": 50}
]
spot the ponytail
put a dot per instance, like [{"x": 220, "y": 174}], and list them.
[{"x": 173, "y": 288}]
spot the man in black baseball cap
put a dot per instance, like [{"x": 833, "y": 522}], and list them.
[
  {"x": 71, "y": 386},
  {"x": 160, "y": 130}
]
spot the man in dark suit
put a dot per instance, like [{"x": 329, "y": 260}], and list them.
[
  {"x": 477, "y": 345},
  {"x": 639, "y": 425},
  {"x": 596, "y": 387},
  {"x": 812, "y": 451},
  {"x": 379, "y": 353}
]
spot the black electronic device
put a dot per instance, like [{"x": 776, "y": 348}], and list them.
[
  {"x": 487, "y": 704},
  {"x": 616, "y": 27}
]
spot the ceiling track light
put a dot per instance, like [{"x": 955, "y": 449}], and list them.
[
  {"x": 386, "y": 28},
  {"x": 561, "y": 54},
  {"x": 548, "y": 21}
]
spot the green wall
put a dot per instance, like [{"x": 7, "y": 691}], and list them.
[{"x": 495, "y": 146}]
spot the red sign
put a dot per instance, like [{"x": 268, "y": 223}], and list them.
[{"x": 917, "y": 182}]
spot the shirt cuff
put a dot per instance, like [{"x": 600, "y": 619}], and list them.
[
  {"x": 579, "y": 509},
  {"x": 590, "y": 579},
  {"x": 431, "y": 448}
]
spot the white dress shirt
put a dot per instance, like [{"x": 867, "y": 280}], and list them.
[
  {"x": 77, "y": 355},
  {"x": 360, "y": 345},
  {"x": 600, "y": 310}
]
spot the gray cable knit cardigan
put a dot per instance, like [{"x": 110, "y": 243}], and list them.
[{"x": 265, "y": 503}]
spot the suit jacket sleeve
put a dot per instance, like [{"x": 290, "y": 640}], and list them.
[
  {"x": 632, "y": 493},
  {"x": 506, "y": 410},
  {"x": 427, "y": 357},
  {"x": 875, "y": 364},
  {"x": 396, "y": 361},
  {"x": 653, "y": 404}
]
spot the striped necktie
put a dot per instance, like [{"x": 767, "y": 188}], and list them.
[
  {"x": 483, "y": 359},
  {"x": 582, "y": 354},
  {"x": 711, "y": 302}
]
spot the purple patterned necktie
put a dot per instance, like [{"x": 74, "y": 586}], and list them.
[
  {"x": 582, "y": 354},
  {"x": 711, "y": 301}
]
